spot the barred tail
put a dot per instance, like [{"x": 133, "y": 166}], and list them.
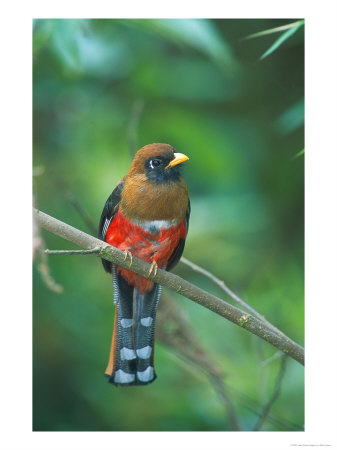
[
  {"x": 145, "y": 309},
  {"x": 132, "y": 348}
]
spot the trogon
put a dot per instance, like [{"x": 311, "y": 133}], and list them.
[{"x": 146, "y": 216}]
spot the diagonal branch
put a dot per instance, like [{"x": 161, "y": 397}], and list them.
[
  {"x": 175, "y": 283},
  {"x": 228, "y": 291},
  {"x": 92, "y": 228}
]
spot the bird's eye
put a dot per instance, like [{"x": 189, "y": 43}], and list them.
[{"x": 155, "y": 163}]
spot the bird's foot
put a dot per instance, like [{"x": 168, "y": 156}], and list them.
[
  {"x": 128, "y": 254},
  {"x": 153, "y": 268}
]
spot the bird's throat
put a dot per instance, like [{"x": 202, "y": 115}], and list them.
[{"x": 153, "y": 202}]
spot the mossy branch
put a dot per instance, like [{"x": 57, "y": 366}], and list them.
[{"x": 175, "y": 283}]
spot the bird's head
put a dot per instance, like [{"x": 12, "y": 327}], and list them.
[{"x": 159, "y": 162}]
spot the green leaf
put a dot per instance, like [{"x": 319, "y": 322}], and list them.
[
  {"x": 200, "y": 34},
  {"x": 299, "y": 154},
  {"x": 284, "y": 36},
  {"x": 65, "y": 42},
  {"x": 291, "y": 119},
  {"x": 275, "y": 30}
]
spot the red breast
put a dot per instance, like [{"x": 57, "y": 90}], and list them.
[{"x": 154, "y": 241}]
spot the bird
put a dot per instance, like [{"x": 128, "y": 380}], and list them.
[{"x": 146, "y": 216}]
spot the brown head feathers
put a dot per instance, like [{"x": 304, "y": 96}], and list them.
[
  {"x": 155, "y": 151},
  {"x": 153, "y": 189}
]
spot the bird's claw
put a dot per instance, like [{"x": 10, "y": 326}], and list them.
[
  {"x": 128, "y": 254},
  {"x": 153, "y": 268}
]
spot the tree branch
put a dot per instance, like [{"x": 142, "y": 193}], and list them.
[
  {"x": 92, "y": 228},
  {"x": 175, "y": 283},
  {"x": 91, "y": 251},
  {"x": 228, "y": 291}
]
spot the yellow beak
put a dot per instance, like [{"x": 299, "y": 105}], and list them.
[{"x": 178, "y": 159}]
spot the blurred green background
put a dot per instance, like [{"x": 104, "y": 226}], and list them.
[{"x": 104, "y": 88}]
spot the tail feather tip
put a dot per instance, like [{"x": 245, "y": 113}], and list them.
[{"x": 121, "y": 378}]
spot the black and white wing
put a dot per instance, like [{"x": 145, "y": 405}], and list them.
[{"x": 109, "y": 211}]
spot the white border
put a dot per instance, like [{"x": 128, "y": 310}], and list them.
[{"x": 321, "y": 224}]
